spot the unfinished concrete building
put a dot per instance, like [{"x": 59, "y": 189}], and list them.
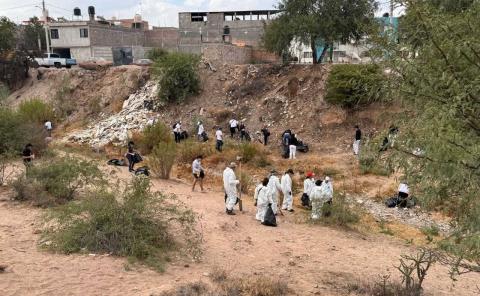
[{"x": 243, "y": 28}]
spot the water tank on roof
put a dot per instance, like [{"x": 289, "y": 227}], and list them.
[
  {"x": 91, "y": 10},
  {"x": 137, "y": 18},
  {"x": 77, "y": 11}
]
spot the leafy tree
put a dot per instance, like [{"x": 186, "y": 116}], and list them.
[
  {"x": 7, "y": 34},
  {"x": 310, "y": 21},
  {"x": 439, "y": 145},
  {"x": 31, "y": 33},
  {"x": 178, "y": 76}
]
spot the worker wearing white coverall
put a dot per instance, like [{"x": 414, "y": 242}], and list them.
[
  {"x": 308, "y": 183},
  {"x": 327, "y": 189},
  {"x": 286, "y": 184},
  {"x": 317, "y": 198},
  {"x": 230, "y": 183},
  {"x": 275, "y": 187},
  {"x": 263, "y": 197}
]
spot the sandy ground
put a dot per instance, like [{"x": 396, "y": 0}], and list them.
[{"x": 311, "y": 258}]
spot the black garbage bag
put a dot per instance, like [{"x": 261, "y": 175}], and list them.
[
  {"x": 116, "y": 162},
  {"x": 392, "y": 202},
  {"x": 270, "y": 219},
  {"x": 142, "y": 171},
  {"x": 305, "y": 200}
]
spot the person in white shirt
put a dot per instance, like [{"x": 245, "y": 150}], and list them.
[
  {"x": 275, "y": 187},
  {"x": 48, "y": 127},
  {"x": 198, "y": 172},
  {"x": 263, "y": 197},
  {"x": 200, "y": 130},
  {"x": 230, "y": 183},
  {"x": 286, "y": 184},
  {"x": 219, "y": 138},
  {"x": 403, "y": 193},
  {"x": 177, "y": 131},
  {"x": 233, "y": 127}
]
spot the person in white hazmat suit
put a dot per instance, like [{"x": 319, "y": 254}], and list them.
[
  {"x": 274, "y": 187},
  {"x": 230, "y": 183},
  {"x": 318, "y": 197},
  {"x": 327, "y": 189},
  {"x": 263, "y": 197},
  {"x": 286, "y": 184},
  {"x": 308, "y": 185}
]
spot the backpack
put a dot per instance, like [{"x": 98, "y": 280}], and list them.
[
  {"x": 269, "y": 219},
  {"x": 305, "y": 200},
  {"x": 137, "y": 158},
  {"x": 116, "y": 162},
  {"x": 142, "y": 171}
]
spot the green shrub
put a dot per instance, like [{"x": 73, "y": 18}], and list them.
[
  {"x": 188, "y": 150},
  {"x": 15, "y": 133},
  {"x": 178, "y": 76},
  {"x": 152, "y": 136},
  {"x": 136, "y": 223},
  {"x": 339, "y": 212},
  {"x": 351, "y": 85},
  {"x": 36, "y": 111},
  {"x": 162, "y": 159},
  {"x": 4, "y": 93},
  {"x": 246, "y": 182},
  {"x": 56, "y": 181},
  {"x": 157, "y": 53}
]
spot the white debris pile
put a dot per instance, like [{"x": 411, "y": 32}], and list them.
[{"x": 115, "y": 128}]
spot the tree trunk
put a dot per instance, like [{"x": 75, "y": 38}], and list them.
[
  {"x": 314, "y": 50},
  {"x": 324, "y": 52}
]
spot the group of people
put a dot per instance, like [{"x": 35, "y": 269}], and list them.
[
  {"x": 316, "y": 193},
  {"x": 276, "y": 193}
]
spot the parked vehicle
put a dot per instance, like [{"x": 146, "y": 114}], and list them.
[{"x": 54, "y": 60}]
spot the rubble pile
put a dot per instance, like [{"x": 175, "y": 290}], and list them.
[{"x": 116, "y": 128}]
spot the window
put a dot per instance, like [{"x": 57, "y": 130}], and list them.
[
  {"x": 83, "y": 33},
  {"x": 199, "y": 17},
  {"x": 54, "y": 55},
  {"x": 54, "y": 33},
  {"x": 307, "y": 55}
]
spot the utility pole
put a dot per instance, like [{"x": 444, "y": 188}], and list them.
[
  {"x": 391, "y": 12},
  {"x": 45, "y": 17}
]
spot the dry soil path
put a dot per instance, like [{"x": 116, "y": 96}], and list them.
[{"x": 311, "y": 258}]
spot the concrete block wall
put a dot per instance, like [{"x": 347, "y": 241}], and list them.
[
  {"x": 227, "y": 54},
  {"x": 166, "y": 38},
  {"x": 265, "y": 57},
  {"x": 81, "y": 54},
  {"x": 108, "y": 36},
  {"x": 104, "y": 52}
]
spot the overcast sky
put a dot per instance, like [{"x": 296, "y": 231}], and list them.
[{"x": 156, "y": 12}]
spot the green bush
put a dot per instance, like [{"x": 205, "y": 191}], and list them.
[
  {"x": 15, "y": 133},
  {"x": 64, "y": 105},
  {"x": 136, "y": 223},
  {"x": 157, "y": 53},
  {"x": 55, "y": 182},
  {"x": 351, "y": 85},
  {"x": 152, "y": 136},
  {"x": 188, "y": 150},
  {"x": 339, "y": 212},
  {"x": 4, "y": 93},
  {"x": 162, "y": 159},
  {"x": 178, "y": 76},
  {"x": 35, "y": 111}
]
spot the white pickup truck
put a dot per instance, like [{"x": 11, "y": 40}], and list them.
[{"x": 54, "y": 60}]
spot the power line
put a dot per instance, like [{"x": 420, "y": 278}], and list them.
[
  {"x": 21, "y": 6},
  {"x": 58, "y": 7}
]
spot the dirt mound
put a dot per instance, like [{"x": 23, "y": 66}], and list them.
[{"x": 89, "y": 92}]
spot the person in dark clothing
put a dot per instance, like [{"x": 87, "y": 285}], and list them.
[
  {"x": 286, "y": 139},
  {"x": 266, "y": 134},
  {"x": 130, "y": 155},
  {"x": 28, "y": 156},
  {"x": 243, "y": 131}
]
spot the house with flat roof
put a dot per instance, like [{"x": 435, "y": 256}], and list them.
[{"x": 242, "y": 28}]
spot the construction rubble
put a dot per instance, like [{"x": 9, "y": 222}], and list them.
[{"x": 116, "y": 128}]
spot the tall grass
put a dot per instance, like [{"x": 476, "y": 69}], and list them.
[{"x": 162, "y": 159}]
